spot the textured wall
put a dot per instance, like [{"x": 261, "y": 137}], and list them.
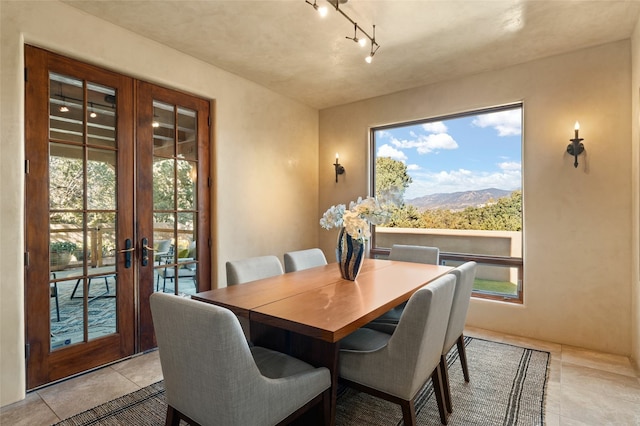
[
  {"x": 635, "y": 191},
  {"x": 577, "y": 222},
  {"x": 265, "y": 164}
]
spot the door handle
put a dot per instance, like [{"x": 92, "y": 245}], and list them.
[
  {"x": 145, "y": 251},
  {"x": 128, "y": 250}
]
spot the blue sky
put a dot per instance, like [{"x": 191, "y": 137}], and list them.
[{"x": 461, "y": 154}]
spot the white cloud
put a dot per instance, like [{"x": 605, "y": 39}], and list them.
[
  {"x": 427, "y": 143},
  {"x": 387, "y": 150},
  {"x": 425, "y": 183},
  {"x": 507, "y": 123},
  {"x": 412, "y": 167},
  {"x": 383, "y": 134},
  {"x": 435, "y": 127},
  {"x": 510, "y": 165}
]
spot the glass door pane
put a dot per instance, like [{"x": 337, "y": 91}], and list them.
[
  {"x": 82, "y": 210},
  {"x": 175, "y": 168}
]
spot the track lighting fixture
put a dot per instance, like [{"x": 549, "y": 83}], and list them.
[{"x": 362, "y": 41}]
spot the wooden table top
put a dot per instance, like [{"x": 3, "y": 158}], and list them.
[
  {"x": 242, "y": 298},
  {"x": 318, "y": 303},
  {"x": 333, "y": 311}
]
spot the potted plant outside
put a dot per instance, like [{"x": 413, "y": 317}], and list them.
[{"x": 60, "y": 253}]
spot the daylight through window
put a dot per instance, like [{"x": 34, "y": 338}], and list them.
[{"x": 461, "y": 182}]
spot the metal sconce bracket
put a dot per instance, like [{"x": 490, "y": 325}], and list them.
[
  {"x": 576, "y": 147},
  {"x": 339, "y": 169}
]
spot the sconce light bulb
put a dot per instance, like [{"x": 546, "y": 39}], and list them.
[
  {"x": 155, "y": 124},
  {"x": 577, "y": 127},
  {"x": 362, "y": 42},
  {"x": 322, "y": 10},
  {"x": 368, "y": 59},
  {"x": 337, "y": 157}
]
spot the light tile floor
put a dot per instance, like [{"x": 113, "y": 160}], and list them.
[{"x": 584, "y": 387}]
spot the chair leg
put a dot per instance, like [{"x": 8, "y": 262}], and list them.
[
  {"x": 463, "y": 357},
  {"x": 436, "y": 378},
  {"x": 408, "y": 413},
  {"x": 173, "y": 418},
  {"x": 73, "y": 293},
  {"x": 445, "y": 383},
  {"x": 55, "y": 294}
]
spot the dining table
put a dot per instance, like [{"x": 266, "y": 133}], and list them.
[{"x": 306, "y": 313}]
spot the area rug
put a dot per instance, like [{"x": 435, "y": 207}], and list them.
[{"x": 507, "y": 387}]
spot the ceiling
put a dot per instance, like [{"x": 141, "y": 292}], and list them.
[{"x": 284, "y": 44}]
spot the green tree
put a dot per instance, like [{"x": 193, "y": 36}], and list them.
[{"x": 391, "y": 175}]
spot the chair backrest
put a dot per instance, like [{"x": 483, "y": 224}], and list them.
[
  {"x": 163, "y": 246},
  {"x": 209, "y": 373},
  {"x": 465, "y": 276},
  {"x": 253, "y": 268},
  {"x": 416, "y": 254},
  {"x": 416, "y": 343},
  {"x": 303, "y": 259}
]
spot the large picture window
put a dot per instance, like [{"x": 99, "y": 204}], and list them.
[{"x": 461, "y": 182}]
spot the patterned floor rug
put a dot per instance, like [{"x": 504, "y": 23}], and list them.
[{"x": 507, "y": 387}]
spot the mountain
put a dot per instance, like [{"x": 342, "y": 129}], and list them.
[{"x": 458, "y": 200}]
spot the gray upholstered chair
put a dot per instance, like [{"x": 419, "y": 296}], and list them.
[
  {"x": 212, "y": 376},
  {"x": 395, "y": 367},
  {"x": 253, "y": 268},
  {"x": 303, "y": 259},
  {"x": 465, "y": 276},
  {"x": 417, "y": 254}
]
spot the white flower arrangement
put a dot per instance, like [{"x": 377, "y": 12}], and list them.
[{"x": 361, "y": 214}]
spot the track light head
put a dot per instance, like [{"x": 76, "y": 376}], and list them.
[{"x": 322, "y": 10}]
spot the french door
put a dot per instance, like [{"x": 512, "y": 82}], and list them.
[{"x": 117, "y": 207}]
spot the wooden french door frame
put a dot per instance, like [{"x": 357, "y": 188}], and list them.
[
  {"x": 43, "y": 364},
  {"x": 146, "y": 94},
  {"x": 134, "y": 153}
]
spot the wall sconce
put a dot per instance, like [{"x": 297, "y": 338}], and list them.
[
  {"x": 338, "y": 166},
  {"x": 576, "y": 147}
]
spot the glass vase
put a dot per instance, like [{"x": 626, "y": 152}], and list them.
[{"x": 349, "y": 254}]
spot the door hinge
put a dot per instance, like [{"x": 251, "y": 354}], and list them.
[
  {"x": 26, "y": 72},
  {"x": 209, "y": 181},
  {"x": 209, "y": 121},
  {"x": 26, "y": 167},
  {"x": 27, "y": 351},
  {"x": 26, "y": 258}
]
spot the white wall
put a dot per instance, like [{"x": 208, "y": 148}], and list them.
[
  {"x": 577, "y": 222},
  {"x": 266, "y": 147},
  {"x": 635, "y": 193}
]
